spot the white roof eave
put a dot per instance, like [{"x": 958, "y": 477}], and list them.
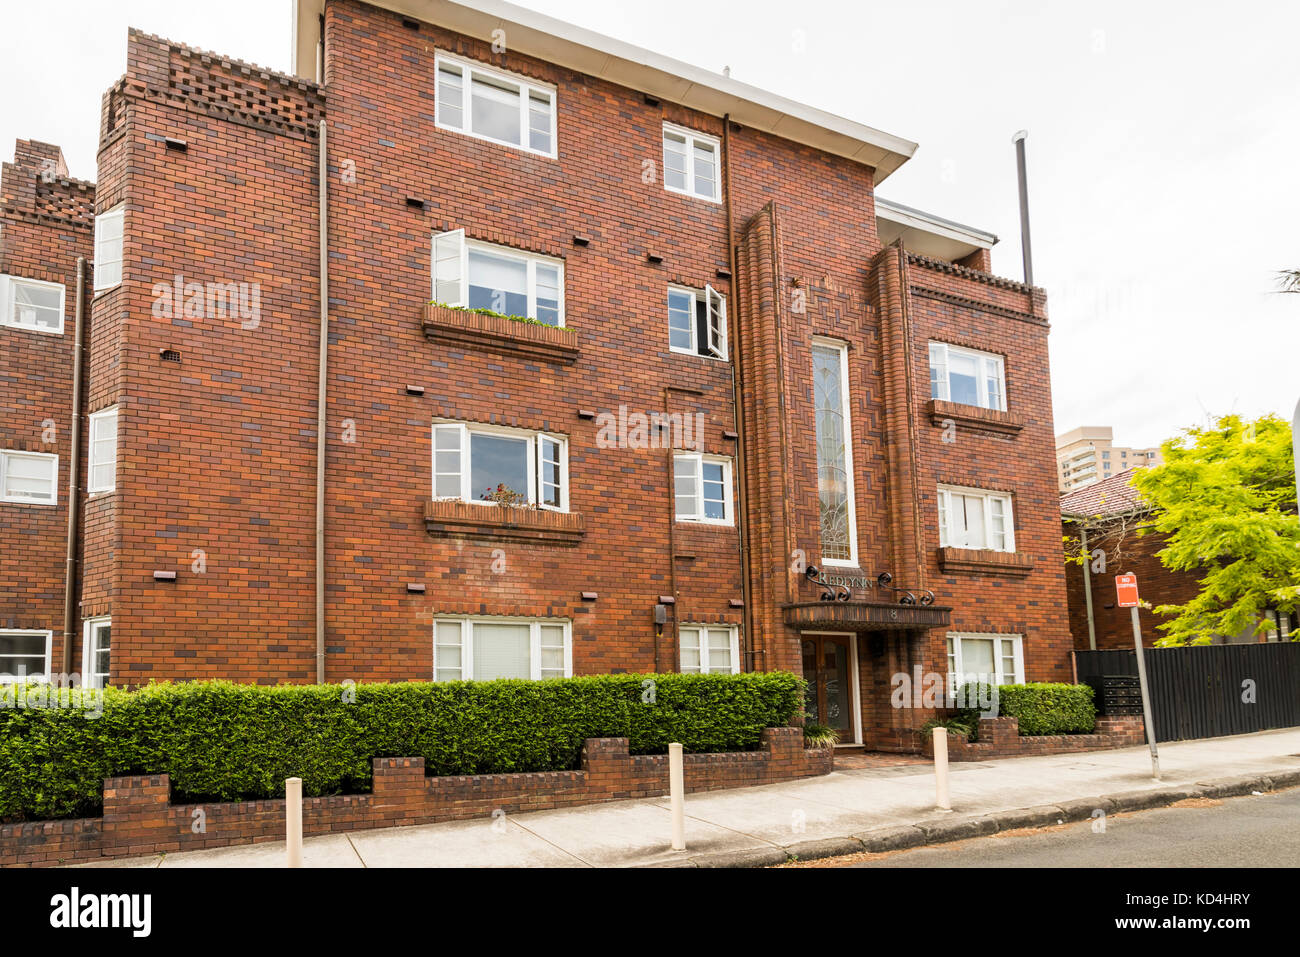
[{"x": 585, "y": 51}]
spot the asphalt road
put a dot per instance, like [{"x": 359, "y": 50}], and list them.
[{"x": 1246, "y": 831}]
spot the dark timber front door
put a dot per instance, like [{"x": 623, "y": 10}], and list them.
[{"x": 827, "y": 668}]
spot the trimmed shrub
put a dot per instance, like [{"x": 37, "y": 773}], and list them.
[
  {"x": 1044, "y": 708},
  {"x": 221, "y": 741}
]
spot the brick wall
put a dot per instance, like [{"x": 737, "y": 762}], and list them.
[
  {"x": 1001, "y": 738},
  {"x": 45, "y": 224},
  {"x": 140, "y": 819}
]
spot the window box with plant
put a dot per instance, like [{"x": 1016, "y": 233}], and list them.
[{"x": 500, "y": 483}]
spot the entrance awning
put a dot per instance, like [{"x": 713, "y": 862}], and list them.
[{"x": 861, "y": 616}]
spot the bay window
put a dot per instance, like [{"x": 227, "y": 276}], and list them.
[
  {"x": 482, "y": 649},
  {"x": 974, "y": 518},
  {"x": 481, "y": 463}
]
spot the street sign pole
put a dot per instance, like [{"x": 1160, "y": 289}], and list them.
[
  {"x": 1146, "y": 695},
  {"x": 1126, "y": 591}
]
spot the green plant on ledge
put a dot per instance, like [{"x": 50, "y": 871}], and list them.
[
  {"x": 490, "y": 312},
  {"x": 819, "y": 736}
]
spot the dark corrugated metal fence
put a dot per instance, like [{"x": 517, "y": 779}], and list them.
[{"x": 1205, "y": 691}]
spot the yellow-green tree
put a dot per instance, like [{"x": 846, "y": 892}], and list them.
[{"x": 1225, "y": 497}]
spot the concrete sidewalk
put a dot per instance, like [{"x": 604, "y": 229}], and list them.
[{"x": 843, "y": 812}]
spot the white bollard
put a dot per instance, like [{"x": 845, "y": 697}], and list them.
[
  {"x": 941, "y": 769},
  {"x": 677, "y": 796},
  {"x": 293, "y": 820}
]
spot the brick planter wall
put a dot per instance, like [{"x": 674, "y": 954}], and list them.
[
  {"x": 1001, "y": 738},
  {"x": 139, "y": 817}
]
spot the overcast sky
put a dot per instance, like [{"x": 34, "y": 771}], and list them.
[{"x": 1163, "y": 152}]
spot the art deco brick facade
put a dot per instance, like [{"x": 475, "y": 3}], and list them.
[{"x": 216, "y": 165}]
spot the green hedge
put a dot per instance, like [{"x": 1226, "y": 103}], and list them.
[
  {"x": 1044, "y": 708},
  {"x": 221, "y": 741}
]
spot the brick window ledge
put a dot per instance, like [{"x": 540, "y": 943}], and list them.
[
  {"x": 455, "y": 519},
  {"x": 474, "y": 330},
  {"x": 975, "y": 419},
  {"x": 985, "y": 561}
]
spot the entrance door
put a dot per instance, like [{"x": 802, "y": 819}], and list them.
[{"x": 827, "y": 666}]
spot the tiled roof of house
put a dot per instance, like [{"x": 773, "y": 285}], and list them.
[{"x": 1111, "y": 496}]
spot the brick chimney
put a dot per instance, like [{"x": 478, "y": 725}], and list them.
[{"x": 35, "y": 155}]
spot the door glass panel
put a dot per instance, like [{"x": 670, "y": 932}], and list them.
[{"x": 835, "y": 659}]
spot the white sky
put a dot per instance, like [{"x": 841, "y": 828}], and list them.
[{"x": 1163, "y": 152}]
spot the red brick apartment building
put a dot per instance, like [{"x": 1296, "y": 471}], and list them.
[{"x": 743, "y": 372}]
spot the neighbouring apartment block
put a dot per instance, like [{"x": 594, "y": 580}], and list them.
[
  {"x": 1088, "y": 454},
  {"x": 627, "y": 369}
]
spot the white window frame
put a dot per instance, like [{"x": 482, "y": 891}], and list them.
[
  {"x": 715, "y": 304},
  {"x": 692, "y": 137},
  {"x": 843, "y": 349},
  {"x": 49, "y": 653},
  {"x": 985, "y": 362},
  {"x": 5, "y": 456},
  {"x": 946, "y": 514},
  {"x": 701, "y": 632},
  {"x": 451, "y": 249},
  {"x": 9, "y": 302},
  {"x": 527, "y": 88},
  {"x": 467, "y": 623},
  {"x": 535, "y": 453},
  {"x": 728, "y": 505},
  {"x": 90, "y": 645},
  {"x": 117, "y": 215},
  {"x": 955, "y": 665},
  {"x": 97, "y": 424}
]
